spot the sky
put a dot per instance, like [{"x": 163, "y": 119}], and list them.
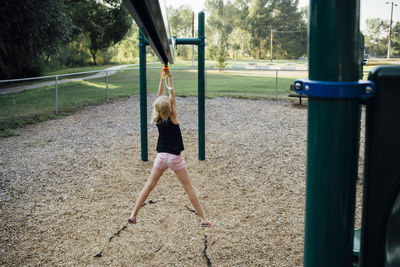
[{"x": 368, "y": 8}]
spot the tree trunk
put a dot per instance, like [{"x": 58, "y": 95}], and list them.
[{"x": 93, "y": 53}]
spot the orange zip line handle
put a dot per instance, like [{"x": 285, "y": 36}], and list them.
[{"x": 163, "y": 72}]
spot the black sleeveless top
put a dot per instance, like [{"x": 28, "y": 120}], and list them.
[{"x": 169, "y": 138}]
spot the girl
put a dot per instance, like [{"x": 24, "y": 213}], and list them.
[{"x": 169, "y": 148}]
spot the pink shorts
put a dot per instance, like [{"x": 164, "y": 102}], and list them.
[{"x": 164, "y": 161}]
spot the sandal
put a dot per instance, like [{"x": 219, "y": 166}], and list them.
[
  {"x": 132, "y": 220},
  {"x": 206, "y": 224}
]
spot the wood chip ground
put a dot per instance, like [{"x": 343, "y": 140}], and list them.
[{"x": 67, "y": 188}]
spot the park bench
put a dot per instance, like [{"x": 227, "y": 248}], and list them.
[{"x": 300, "y": 96}]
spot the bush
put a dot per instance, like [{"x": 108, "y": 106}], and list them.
[
  {"x": 221, "y": 57},
  {"x": 106, "y": 55},
  {"x": 72, "y": 55},
  {"x": 211, "y": 52}
]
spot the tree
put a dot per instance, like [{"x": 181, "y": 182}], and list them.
[
  {"x": 282, "y": 16},
  {"x": 104, "y": 22},
  {"x": 31, "y": 31},
  {"x": 290, "y": 40},
  {"x": 259, "y": 24},
  {"x": 180, "y": 21},
  {"x": 221, "y": 54},
  {"x": 396, "y": 40},
  {"x": 211, "y": 52},
  {"x": 376, "y": 37},
  {"x": 221, "y": 19},
  {"x": 220, "y": 24},
  {"x": 127, "y": 50},
  {"x": 239, "y": 42}
]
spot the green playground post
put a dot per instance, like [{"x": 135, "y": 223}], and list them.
[
  {"x": 201, "y": 87},
  {"x": 143, "y": 97},
  {"x": 332, "y": 135},
  {"x": 200, "y": 42}
]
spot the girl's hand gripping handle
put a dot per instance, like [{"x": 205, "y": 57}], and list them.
[{"x": 165, "y": 71}]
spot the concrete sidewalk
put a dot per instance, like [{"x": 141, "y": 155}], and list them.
[{"x": 100, "y": 74}]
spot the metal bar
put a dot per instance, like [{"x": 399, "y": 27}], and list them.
[
  {"x": 188, "y": 41},
  {"x": 192, "y": 37},
  {"x": 128, "y": 68},
  {"x": 332, "y": 135},
  {"x": 201, "y": 91},
  {"x": 143, "y": 97},
  {"x": 152, "y": 20},
  {"x": 192, "y": 55},
  {"x": 271, "y": 45},
  {"x": 228, "y": 69},
  {"x": 276, "y": 85},
  {"x": 107, "y": 86},
  {"x": 56, "y": 95},
  {"x": 206, "y": 81},
  {"x": 51, "y": 76}
]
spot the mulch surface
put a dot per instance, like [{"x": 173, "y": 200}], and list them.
[{"x": 67, "y": 188}]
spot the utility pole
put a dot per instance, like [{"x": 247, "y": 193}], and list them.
[
  {"x": 272, "y": 37},
  {"x": 390, "y": 28}
]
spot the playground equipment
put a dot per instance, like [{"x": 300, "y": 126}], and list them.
[
  {"x": 380, "y": 231},
  {"x": 334, "y": 101},
  {"x": 152, "y": 20},
  {"x": 334, "y": 108}
]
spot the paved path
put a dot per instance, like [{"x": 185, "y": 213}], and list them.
[{"x": 100, "y": 74}]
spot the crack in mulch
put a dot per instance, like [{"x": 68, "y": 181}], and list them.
[
  {"x": 153, "y": 201},
  {"x": 205, "y": 252},
  {"x": 100, "y": 254},
  {"x": 205, "y": 241},
  {"x": 191, "y": 210},
  {"x": 159, "y": 248}
]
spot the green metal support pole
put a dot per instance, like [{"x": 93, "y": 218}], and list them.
[
  {"x": 188, "y": 41},
  {"x": 200, "y": 42},
  {"x": 143, "y": 96},
  {"x": 332, "y": 135},
  {"x": 201, "y": 88}
]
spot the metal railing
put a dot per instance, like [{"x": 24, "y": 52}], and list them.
[{"x": 11, "y": 86}]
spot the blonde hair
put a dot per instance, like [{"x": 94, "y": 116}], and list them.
[{"x": 161, "y": 109}]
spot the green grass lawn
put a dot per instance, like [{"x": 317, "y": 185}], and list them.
[
  {"x": 39, "y": 104},
  {"x": 218, "y": 84}
]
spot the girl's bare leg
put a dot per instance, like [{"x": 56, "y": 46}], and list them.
[
  {"x": 151, "y": 182},
  {"x": 184, "y": 178}
]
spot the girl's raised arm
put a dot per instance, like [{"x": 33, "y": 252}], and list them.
[
  {"x": 174, "y": 109},
  {"x": 162, "y": 80}
]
